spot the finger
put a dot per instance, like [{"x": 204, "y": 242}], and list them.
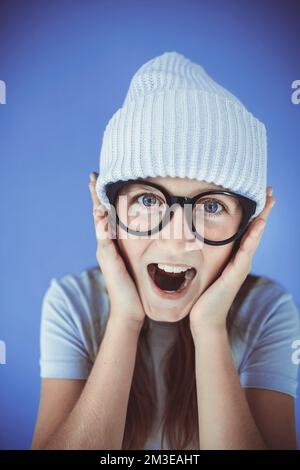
[
  {"x": 92, "y": 187},
  {"x": 240, "y": 265},
  {"x": 251, "y": 239},
  {"x": 100, "y": 213},
  {"x": 110, "y": 261},
  {"x": 106, "y": 252},
  {"x": 103, "y": 231},
  {"x": 255, "y": 229},
  {"x": 270, "y": 201},
  {"x": 250, "y": 243},
  {"x": 106, "y": 249},
  {"x": 243, "y": 259}
]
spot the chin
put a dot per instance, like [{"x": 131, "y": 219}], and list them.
[
  {"x": 165, "y": 318},
  {"x": 166, "y": 315}
]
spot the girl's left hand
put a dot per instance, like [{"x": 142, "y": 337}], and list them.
[{"x": 212, "y": 307}]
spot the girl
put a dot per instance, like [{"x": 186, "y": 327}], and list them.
[{"x": 170, "y": 342}]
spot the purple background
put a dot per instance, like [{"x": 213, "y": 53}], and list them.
[{"x": 67, "y": 68}]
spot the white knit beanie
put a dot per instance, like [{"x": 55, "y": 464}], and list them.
[{"x": 177, "y": 121}]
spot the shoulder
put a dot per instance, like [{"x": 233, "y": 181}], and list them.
[
  {"x": 86, "y": 282},
  {"x": 263, "y": 302},
  {"x": 77, "y": 304},
  {"x": 265, "y": 329}
]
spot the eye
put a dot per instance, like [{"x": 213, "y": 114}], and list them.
[
  {"x": 212, "y": 207},
  {"x": 148, "y": 200}
]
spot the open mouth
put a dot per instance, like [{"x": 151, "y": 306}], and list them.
[{"x": 171, "y": 281}]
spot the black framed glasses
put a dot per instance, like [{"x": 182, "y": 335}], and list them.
[{"x": 143, "y": 208}]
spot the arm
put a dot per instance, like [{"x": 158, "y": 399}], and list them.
[
  {"x": 97, "y": 421},
  {"x": 279, "y": 427},
  {"x": 74, "y": 414},
  {"x": 58, "y": 397},
  {"x": 225, "y": 420}
]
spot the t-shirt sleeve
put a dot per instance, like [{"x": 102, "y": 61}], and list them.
[
  {"x": 62, "y": 352},
  {"x": 270, "y": 363}
]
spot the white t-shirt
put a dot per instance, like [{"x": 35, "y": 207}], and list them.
[{"x": 75, "y": 309}]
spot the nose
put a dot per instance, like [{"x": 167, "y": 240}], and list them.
[{"x": 178, "y": 229}]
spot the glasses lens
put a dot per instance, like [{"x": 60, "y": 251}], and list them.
[
  {"x": 217, "y": 217},
  {"x": 140, "y": 207}
]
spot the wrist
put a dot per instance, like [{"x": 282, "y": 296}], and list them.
[
  {"x": 208, "y": 331},
  {"x": 131, "y": 325}
]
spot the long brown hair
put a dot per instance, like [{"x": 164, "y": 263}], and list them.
[{"x": 180, "y": 418}]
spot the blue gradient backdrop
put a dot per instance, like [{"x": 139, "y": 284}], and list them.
[{"x": 67, "y": 68}]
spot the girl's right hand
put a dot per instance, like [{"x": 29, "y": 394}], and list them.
[{"x": 125, "y": 302}]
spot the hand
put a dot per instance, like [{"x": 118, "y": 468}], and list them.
[
  {"x": 212, "y": 307},
  {"x": 124, "y": 298}
]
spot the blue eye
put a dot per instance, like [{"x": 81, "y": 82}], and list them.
[
  {"x": 211, "y": 206},
  {"x": 149, "y": 201},
  {"x": 147, "y": 197}
]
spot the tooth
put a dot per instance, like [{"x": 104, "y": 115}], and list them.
[
  {"x": 190, "y": 274},
  {"x": 172, "y": 269}
]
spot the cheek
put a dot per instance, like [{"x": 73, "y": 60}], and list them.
[
  {"x": 215, "y": 258},
  {"x": 132, "y": 253},
  {"x": 127, "y": 250}
]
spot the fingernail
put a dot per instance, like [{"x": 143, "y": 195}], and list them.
[
  {"x": 92, "y": 177},
  {"x": 270, "y": 191}
]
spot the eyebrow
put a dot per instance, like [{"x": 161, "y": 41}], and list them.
[{"x": 206, "y": 188}]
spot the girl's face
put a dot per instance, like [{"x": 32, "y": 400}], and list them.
[{"x": 138, "y": 251}]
